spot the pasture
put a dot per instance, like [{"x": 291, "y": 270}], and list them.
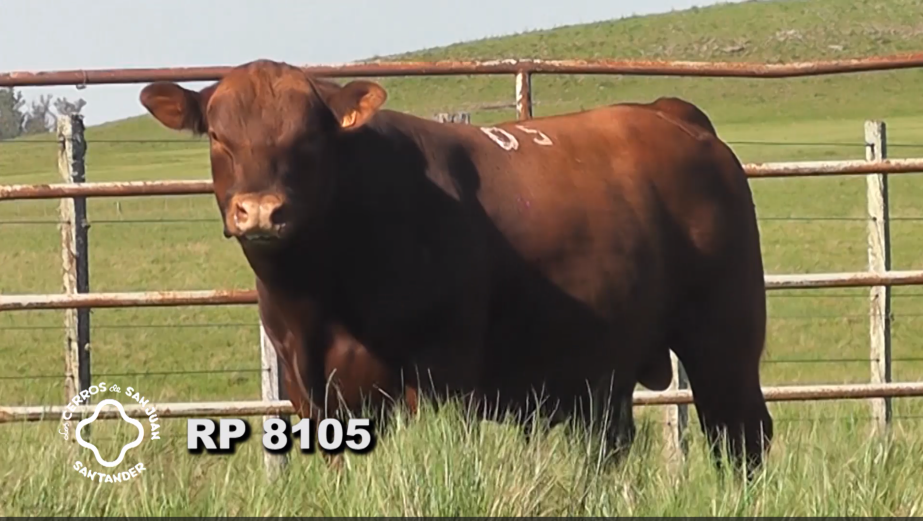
[{"x": 824, "y": 462}]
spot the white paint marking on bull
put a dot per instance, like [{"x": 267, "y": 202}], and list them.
[
  {"x": 501, "y": 137},
  {"x": 541, "y": 140}
]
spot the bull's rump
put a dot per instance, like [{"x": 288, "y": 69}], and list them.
[{"x": 620, "y": 216}]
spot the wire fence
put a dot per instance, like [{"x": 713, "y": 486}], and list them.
[
  {"x": 212, "y": 219},
  {"x": 523, "y": 107}
]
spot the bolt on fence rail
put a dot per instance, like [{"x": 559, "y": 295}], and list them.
[{"x": 74, "y": 190}]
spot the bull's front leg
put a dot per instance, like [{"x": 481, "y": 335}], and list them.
[
  {"x": 297, "y": 333},
  {"x": 359, "y": 383},
  {"x": 330, "y": 374},
  {"x": 306, "y": 380}
]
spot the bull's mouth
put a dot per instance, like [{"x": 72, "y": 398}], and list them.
[
  {"x": 259, "y": 238},
  {"x": 263, "y": 238},
  {"x": 263, "y": 235}
]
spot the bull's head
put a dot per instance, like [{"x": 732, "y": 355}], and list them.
[{"x": 271, "y": 130}]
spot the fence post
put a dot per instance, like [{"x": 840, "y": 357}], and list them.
[
  {"x": 271, "y": 390},
  {"x": 72, "y": 149},
  {"x": 676, "y": 418},
  {"x": 524, "y": 95},
  {"x": 879, "y": 251}
]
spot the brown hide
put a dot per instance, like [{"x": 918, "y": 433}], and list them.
[{"x": 407, "y": 256}]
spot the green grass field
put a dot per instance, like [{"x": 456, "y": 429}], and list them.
[
  {"x": 824, "y": 463},
  {"x": 436, "y": 466}
]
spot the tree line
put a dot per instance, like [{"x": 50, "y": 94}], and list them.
[{"x": 17, "y": 120}]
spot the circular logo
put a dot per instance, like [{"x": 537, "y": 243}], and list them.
[{"x": 123, "y": 467}]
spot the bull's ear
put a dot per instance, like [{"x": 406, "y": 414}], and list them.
[
  {"x": 176, "y": 107},
  {"x": 356, "y": 103}
]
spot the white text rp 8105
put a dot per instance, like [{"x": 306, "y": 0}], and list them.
[{"x": 329, "y": 435}]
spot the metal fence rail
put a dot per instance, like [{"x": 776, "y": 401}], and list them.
[
  {"x": 788, "y": 393},
  {"x": 504, "y": 66},
  {"x": 199, "y": 187},
  {"x": 244, "y": 296}
]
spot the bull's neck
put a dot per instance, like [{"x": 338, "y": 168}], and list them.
[
  {"x": 268, "y": 264},
  {"x": 379, "y": 173},
  {"x": 384, "y": 151}
]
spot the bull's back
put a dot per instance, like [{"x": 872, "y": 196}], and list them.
[
  {"x": 554, "y": 182},
  {"x": 680, "y": 109},
  {"x": 645, "y": 182},
  {"x": 602, "y": 158}
]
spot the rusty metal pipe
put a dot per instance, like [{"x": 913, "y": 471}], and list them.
[
  {"x": 794, "y": 393},
  {"x": 218, "y": 297},
  {"x": 240, "y": 296},
  {"x": 859, "y": 279},
  {"x": 828, "y": 168},
  {"x": 452, "y": 67},
  {"x": 195, "y": 187},
  {"x": 785, "y": 393},
  {"x": 106, "y": 189}
]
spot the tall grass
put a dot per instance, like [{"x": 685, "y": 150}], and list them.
[{"x": 438, "y": 465}]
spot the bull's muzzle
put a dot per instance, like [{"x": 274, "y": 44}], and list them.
[{"x": 255, "y": 217}]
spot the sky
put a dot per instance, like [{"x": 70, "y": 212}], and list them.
[{"x": 101, "y": 34}]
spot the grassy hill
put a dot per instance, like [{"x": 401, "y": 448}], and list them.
[
  {"x": 779, "y": 31},
  {"x": 807, "y": 225}
]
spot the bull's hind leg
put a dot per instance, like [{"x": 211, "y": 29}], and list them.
[{"x": 719, "y": 341}]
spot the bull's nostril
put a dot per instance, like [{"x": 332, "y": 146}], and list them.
[
  {"x": 240, "y": 214},
  {"x": 279, "y": 215},
  {"x": 252, "y": 216}
]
